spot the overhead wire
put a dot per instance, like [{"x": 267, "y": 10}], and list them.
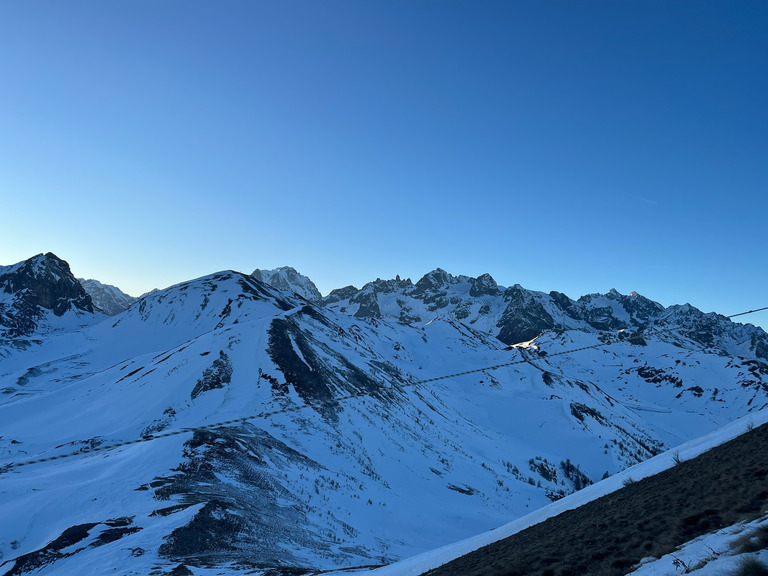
[
  {"x": 747, "y": 312},
  {"x": 266, "y": 414}
]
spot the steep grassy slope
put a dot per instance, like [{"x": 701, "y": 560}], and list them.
[{"x": 650, "y": 517}]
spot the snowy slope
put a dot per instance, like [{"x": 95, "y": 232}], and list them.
[
  {"x": 422, "y": 563},
  {"x": 339, "y": 449},
  {"x": 725, "y": 551}
]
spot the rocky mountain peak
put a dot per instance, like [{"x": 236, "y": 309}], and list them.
[
  {"x": 388, "y": 286},
  {"x": 340, "y": 294},
  {"x": 523, "y": 318},
  {"x": 287, "y": 278},
  {"x": 44, "y": 282},
  {"x": 484, "y": 285},
  {"x": 434, "y": 280},
  {"x": 106, "y": 298}
]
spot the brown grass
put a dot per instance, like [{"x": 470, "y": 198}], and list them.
[
  {"x": 754, "y": 541},
  {"x": 650, "y": 517},
  {"x": 752, "y": 567}
]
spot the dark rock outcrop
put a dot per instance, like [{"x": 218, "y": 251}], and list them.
[
  {"x": 43, "y": 282},
  {"x": 524, "y": 318},
  {"x": 484, "y": 285}
]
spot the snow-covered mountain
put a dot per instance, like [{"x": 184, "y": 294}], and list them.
[
  {"x": 223, "y": 424},
  {"x": 38, "y": 295},
  {"x": 287, "y": 278},
  {"x": 106, "y": 298},
  {"x": 515, "y": 314}
]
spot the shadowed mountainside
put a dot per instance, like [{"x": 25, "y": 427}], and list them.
[{"x": 650, "y": 517}]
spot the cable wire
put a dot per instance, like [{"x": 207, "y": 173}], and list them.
[
  {"x": 747, "y": 312},
  {"x": 155, "y": 436}
]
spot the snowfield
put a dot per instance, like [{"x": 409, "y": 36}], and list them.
[
  {"x": 227, "y": 425},
  {"x": 693, "y": 552}
]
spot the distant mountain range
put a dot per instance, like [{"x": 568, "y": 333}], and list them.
[
  {"x": 239, "y": 422},
  {"x": 108, "y": 299}
]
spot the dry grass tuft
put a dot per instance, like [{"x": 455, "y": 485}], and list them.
[
  {"x": 752, "y": 542},
  {"x": 752, "y": 567}
]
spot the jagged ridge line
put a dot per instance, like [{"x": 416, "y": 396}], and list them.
[{"x": 151, "y": 437}]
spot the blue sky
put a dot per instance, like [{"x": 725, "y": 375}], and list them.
[{"x": 571, "y": 146}]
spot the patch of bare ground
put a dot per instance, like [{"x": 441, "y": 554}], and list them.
[{"x": 650, "y": 517}]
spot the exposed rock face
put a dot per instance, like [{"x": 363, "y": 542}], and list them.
[
  {"x": 365, "y": 302},
  {"x": 484, "y": 285},
  {"x": 614, "y": 311},
  {"x": 516, "y": 314},
  {"x": 433, "y": 281},
  {"x": 315, "y": 379},
  {"x": 641, "y": 309},
  {"x": 246, "y": 512},
  {"x": 215, "y": 376},
  {"x": 41, "y": 283},
  {"x": 565, "y": 304},
  {"x": 287, "y": 278},
  {"x": 340, "y": 294},
  {"x": 524, "y": 318},
  {"x": 108, "y": 299},
  {"x": 369, "y": 305},
  {"x": 705, "y": 329}
]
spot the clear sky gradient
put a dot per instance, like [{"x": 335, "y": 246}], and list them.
[{"x": 571, "y": 146}]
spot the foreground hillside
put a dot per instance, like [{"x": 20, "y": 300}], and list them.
[
  {"x": 647, "y": 518},
  {"x": 225, "y": 425}
]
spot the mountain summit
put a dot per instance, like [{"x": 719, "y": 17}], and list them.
[
  {"x": 287, "y": 278},
  {"x": 109, "y": 299},
  {"x": 36, "y": 291}
]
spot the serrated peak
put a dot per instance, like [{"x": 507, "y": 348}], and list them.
[
  {"x": 484, "y": 285},
  {"x": 288, "y": 278}
]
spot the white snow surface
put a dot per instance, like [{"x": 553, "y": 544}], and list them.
[
  {"x": 371, "y": 466},
  {"x": 712, "y": 554},
  {"x": 422, "y": 563}
]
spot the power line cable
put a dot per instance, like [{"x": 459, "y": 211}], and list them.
[
  {"x": 747, "y": 312},
  {"x": 155, "y": 436}
]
